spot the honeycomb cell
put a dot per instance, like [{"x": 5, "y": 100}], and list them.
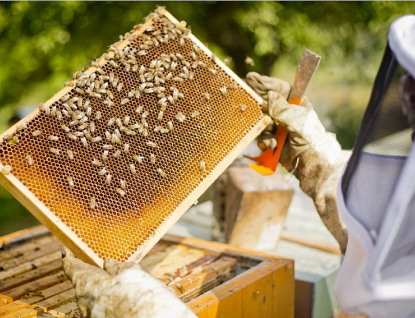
[{"x": 73, "y": 137}]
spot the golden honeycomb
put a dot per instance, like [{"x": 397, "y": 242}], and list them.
[{"x": 117, "y": 156}]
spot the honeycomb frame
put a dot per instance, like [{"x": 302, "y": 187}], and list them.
[{"x": 157, "y": 190}]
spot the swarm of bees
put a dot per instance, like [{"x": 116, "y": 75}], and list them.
[
  {"x": 129, "y": 131},
  {"x": 161, "y": 77}
]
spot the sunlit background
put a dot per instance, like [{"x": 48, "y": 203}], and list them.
[{"x": 43, "y": 43}]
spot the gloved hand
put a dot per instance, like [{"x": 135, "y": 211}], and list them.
[
  {"x": 121, "y": 290},
  {"x": 312, "y": 154}
]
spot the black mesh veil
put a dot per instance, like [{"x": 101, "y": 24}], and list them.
[{"x": 385, "y": 131}]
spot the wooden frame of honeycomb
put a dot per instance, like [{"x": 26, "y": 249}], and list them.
[{"x": 112, "y": 161}]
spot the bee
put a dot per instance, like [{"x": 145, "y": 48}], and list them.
[
  {"x": 139, "y": 159},
  {"x": 125, "y": 100},
  {"x": 123, "y": 184},
  {"x": 212, "y": 70},
  {"x": 171, "y": 100},
  {"x": 243, "y": 107},
  {"x": 96, "y": 162},
  {"x": 65, "y": 128},
  {"x": 120, "y": 192},
  {"x": 108, "y": 178},
  {"x": 54, "y": 151},
  {"x": 180, "y": 117},
  {"x": 70, "y": 154},
  {"x": 195, "y": 65},
  {"x": 151, "y": 144},
  {"x": 89, "y": 111},
  {"x": 173, "y": 66},
  {"x": 137, "y": 94},
  {"x": 160, "y": 116},
  {"x": 96, "y": 139},
  {"x": 83, "y": 126},
  {"x": 87, "y": 135},
  {"x": 164, "y": 130},
  {"x": 202, "y": 166},
  {"x": 195, "y": 114},
  {"x": 191, "y": 76},
  {"x": 148, "y": 90},
  {"x": 142, "y": 53},
  {"x": 83, "y": 120},
  {"x": 157, "y": 128},
  {"x": 162, "y": 101},
  {"x": 59, "y": 115},
  {"x": 152, "y": 158},
  {"x": 126, "y": 148},
  {"x": 93, "y": 203},
  {"x": 84, "y": 142},
  {"x": 126, "y": 120},
  {"x": 15, "y": 139},
  {"x": 72, "y": 136},
  {"x": 180, "y": 287},
  {"x": 98, "y": 115},
  {"x": 36, "y": 133},
  {"x": 78, "y": 133},
  {"x": 202, "y": 64},
  {"x": 117, "y": 153},
  {"x": 102, "y": 171},
  {"x": 70, "y": 182},
  {"x": 178, "y": 79},
  {"x": 132, "y": 169},
  {"x": 80, "y": 100},
  {"x": 109, "y": 94},
  {"x": 170, "y": 125},
  {"x": 144, "y": 115},
  {"x": 105, "y": 155},
  {"x": 113, "y": 64},
  {"x": 111, "y": 121},
  {"x": 180, "y": 57},
  {"x": 65, "y": 98},
  {"x": 196, "y": 49},
  {"x": 128, "y": 67},
  {"x": 161, "y": 172},
  {"x": 74, "y": 122},
  {"x": 108, "y": 102},
  {"x": 223, "y": 90},
  {"x": 168, "y": 76},
  {"x": 53, "y": 138},
  {"x": 29, "y": 160}
]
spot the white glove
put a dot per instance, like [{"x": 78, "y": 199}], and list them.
[
  {"x": 121, "y": 290},
  {"x": 312, "y": 154}
]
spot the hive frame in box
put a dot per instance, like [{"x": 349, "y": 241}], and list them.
[{"x": 63, "y": 231}]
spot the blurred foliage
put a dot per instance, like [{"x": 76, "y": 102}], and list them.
[{"x": 43, "y": 43}]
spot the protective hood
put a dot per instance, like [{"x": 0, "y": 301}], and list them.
[{"x": 376, "y": 197}]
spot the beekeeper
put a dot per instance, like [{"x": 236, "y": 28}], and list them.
[{"x": 374, "y": 195}]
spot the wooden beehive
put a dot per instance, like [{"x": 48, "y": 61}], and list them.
[
  {"x": 213, "y": 279},
  {"x": 111, "y": 161}
]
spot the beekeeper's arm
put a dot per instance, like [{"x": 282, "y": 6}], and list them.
[
  {"x": 121, "y": 290},
  {"x": 313, "y": 155}
]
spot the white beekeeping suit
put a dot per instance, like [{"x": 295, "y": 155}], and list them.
[{"x": 376, "y": 195}]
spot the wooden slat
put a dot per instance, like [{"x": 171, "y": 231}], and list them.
[
  {"x": 13, "y": 307},
  {"x": 18, "y": 236},
  {"x": 24, "y": 313},
  {"x": 48, "y": 292},
  {"x": 18, "y": 250},
  {"x": 199, "y": 278},
  {"x": 175, "y": 261},
  {"x": 4, "y": 300},
  {"x": 57, "y": 300},
  {"x": 36, "y": 285},
  {"x": 30, "y": 276},
  {"x": 49, "y": 258},
  {"x": 38, "y": 252}
]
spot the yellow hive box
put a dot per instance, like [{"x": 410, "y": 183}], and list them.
[{"x": 111, "y": 161}]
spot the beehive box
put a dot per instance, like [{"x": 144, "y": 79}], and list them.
[
  {"x": 213, "y": 279},
  {"x": 111, "y": 161}
]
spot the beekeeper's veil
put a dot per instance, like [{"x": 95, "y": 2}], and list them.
[{"x": 376, "y": 196}]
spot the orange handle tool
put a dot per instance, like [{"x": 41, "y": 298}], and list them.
[{"x": 268, "y": 161}]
